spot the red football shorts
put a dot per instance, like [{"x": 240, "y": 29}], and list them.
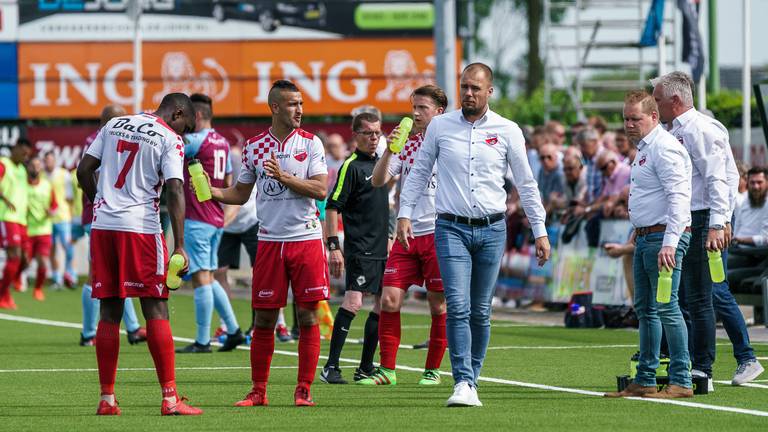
[
  {"x": 39, "y": 245},
  {"x": 127, "y": 264},
  {"x": 414, "y": 266},
  {"x": 13, "y": 234},
  {"x": 302, "y": 264}
]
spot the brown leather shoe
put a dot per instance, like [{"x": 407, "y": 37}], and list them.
[
  {"x": 671, "y": 392},
  {"x": 632, "y": 390}
]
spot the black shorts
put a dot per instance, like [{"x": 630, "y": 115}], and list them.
[
  {"x": 365, "y": 274},
  {"x": 229, "y": 248}
]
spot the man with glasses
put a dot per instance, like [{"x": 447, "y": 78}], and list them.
[
  {"x": 550, "y": 178},
  {"x": 366, "y": 218}
]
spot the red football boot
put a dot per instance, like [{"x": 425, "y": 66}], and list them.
[
  {"x": 106, "y": 409},
  {"x": 302, "y": 397},
  {"x": 178, "y": 408},
  {"x": 254, "y": 398}
]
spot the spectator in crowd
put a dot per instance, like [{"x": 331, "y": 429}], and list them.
[
  {"x": 335, "y": 149},
  {"x": 550, "y": 179},
  {"x": 615, "y": 181},
  {"x": 624, "y": 146},
  {"x": 750, "y": 228},
  {"x": 742, "y": 168},
  {"x": 575, "y": 129},
  {"x": 556, "y": 131},
  {"x": 589, "y": 143}
]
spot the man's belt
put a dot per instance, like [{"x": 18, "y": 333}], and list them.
[
  {"x": 658, "y": 228},
  {"x": 483, "y": 221}
]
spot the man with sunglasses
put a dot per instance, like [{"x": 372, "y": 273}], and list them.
[
  {"x": 550, "y": 178},
  {"x": 366, "y": 219}
]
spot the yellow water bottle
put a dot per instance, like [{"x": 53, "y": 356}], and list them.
[
  {"x": 716, "y": 266},
  {"x": 664, "y": 287},
  {"x": 202, "y": 188},
  {"x": 396, "y": 146},
  {"x": 173, "y": 280}
]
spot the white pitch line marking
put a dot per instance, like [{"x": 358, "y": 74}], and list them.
[
  {"x": 413, "y": 369},
  {"x": 750, "y": 384}
]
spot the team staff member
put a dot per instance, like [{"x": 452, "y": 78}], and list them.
[
  {"x": 710, "y": 209},
  {"x": 365, "y": 212},
  {"x": 13, "y": 213},
  {"x": 473, "y": 148},
  {"x": 287, "y": 165},
  {"x": 135, "y": 155},
  {"x": 659, "y": 209},
  {"x": 416, "y": 265}
]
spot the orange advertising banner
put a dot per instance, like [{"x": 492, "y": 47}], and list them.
[{"x": 75, "y": 80}]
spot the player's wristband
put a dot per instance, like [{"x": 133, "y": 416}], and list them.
[{"x": 333, "y": 243}]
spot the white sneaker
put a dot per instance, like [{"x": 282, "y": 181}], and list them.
[
  {"x": 463, "y": 396},
  {"x": 747, "y": 372},
  {"x": 699, "y": 374}
]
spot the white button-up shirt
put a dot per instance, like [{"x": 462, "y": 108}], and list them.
[
  {"x": 706, "y": 145},
  {"x": 472, "y": 159},
  {"x": 731, "y": 170},
  {"x": 752, "y": 222},
  {"x": 660, "y": 187}
]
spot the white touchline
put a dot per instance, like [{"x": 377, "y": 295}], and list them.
[
  {"x": 208, "y": 368},
  {"x": 413, "y": 369},
  {"x": 749, "y": 384}
]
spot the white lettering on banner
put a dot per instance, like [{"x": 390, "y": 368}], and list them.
[
  {"x": 39, "y": 71},
  {"x": 360, "y": 84},
  {"x": 310, "y": 86},
  {"x": 87, "y": 88},
  {"x": 66, "y": 156},
  {"x": 262, "y": 74},
  {"x": 110, "y": 79}
]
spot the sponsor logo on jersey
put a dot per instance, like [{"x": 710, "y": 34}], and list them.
[
  {"x": 390, "y": 270},
  {"x": 313, "y": 289},
  {"x": 273, "y": 187},
  {"x": 144, "y": 128},
  {"x": 266, "y": 293},
  {"x": 131, "y": 284}
]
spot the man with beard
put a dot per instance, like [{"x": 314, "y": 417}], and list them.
[
  {"x": 751, "y": 229},
  {"x": 473, "y": 148}
]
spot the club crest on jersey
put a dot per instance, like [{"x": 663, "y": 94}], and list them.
[
  {"x": 492, "y": 139},
  {"x": 680, "y": 140},
  {"x": 300, "y": 155},
  {"x": 642, "y": 161}
]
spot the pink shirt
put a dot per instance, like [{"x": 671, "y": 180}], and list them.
[{"x": 613, "y": 184}]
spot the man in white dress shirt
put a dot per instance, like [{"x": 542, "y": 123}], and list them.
[
  {"x": 708, "y": 147},
  {"x": 659, "y": 209},
  {"x": 473, "y": 148}
]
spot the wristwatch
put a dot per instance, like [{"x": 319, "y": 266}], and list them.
[{"x": 717, "y": 227}]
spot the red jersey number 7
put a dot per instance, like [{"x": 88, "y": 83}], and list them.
[{"x": 132, "y": 148}]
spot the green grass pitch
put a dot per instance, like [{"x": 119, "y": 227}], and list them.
[{"x": 48, "y": 382}]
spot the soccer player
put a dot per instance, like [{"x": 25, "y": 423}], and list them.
[
  {"x": 135, "y": 155},
  {"x": 416, "y": 265},
  {"x": 13, "y": 211},
  {"x": 203, "y": 229},
  {"x": 62, "y": 232},
  {"x": 41, "y": 207},
  {"x": 287, "y": 165},
  {"x": 134, "y": 332},
  {"x": 366, "y": 219}
]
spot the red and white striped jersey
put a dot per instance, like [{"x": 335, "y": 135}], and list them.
[
  {"x": 138, "y": 153},
  {"x": 283, "y": 214},
  {"x": 423, "y": 218}
]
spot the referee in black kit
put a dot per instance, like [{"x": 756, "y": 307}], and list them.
[{"x": 366, "y": 219}]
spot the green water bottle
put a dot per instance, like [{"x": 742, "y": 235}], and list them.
[
  {"x": 396, "y": 146},
  {"x": 173, "y": 280},
  {"x": 202, "y": 188},
  {"x": 716, "y": 266},
  {"x": 664, "y": 287}
]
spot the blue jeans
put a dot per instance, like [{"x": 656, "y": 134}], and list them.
[
  {"x": 733, "y": 321},
  {"x": 469, "y": 259},
  {"x": 696, "y": 296},
  {"x": 653, "y": 315}
]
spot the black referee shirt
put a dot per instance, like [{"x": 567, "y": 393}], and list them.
[{"x": 365, "y": 209}]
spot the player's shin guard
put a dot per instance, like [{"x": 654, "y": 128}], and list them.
[
  {"x": 437, "y": 342},
  {"x": 107, "y": 351},
  {"x": 262, "y": 348},
  {"x": 370, "y": 341},
  {"x": 309, "y": 353},
  {"x": 160, "y": 343},
  {"x": 389, "y": 338}
]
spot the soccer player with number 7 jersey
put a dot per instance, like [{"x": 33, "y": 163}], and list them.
[
  {"x": 203, "y": 228},
  {"x": 135, "y": 155}
]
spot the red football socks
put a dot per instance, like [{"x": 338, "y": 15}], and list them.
[
  {"x": 10, "y": 271},
  {"x": 309, "y": 353},
  {"x": 389, "y": 338},
  {"x": 107, "y": 350},
  {"x": 438, "y": 342},
  {"x": 262, "y": 348},
  {"x": 41, "y": 272},
  {"x": 160, "y": 343}
]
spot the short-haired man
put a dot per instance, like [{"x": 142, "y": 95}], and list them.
[
  {"x": 41, "y": 206},
  {"x": 472, "y": 149},
  {"x": 707, "y": 144},
  {"x": 135, "y": 155},
  {"x": 659, "y": 209},
  {"x": 416, "y": 265},
  {"x": 203, "y": 226},
  {"x": 365, "y": 211},
  {"x": 287, "y": 165},
  {"x": 13, "y": 213}
]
